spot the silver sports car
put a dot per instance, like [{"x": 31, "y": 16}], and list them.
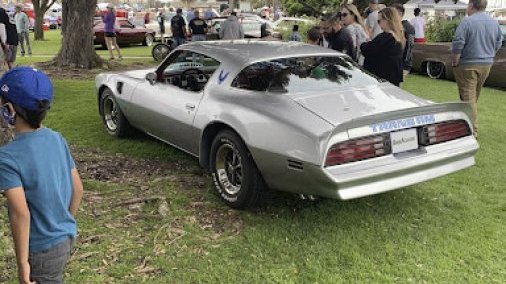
[{"x": 288, "y": 116}]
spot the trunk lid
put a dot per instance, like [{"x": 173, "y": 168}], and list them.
[{"x": 338, "y": 106}]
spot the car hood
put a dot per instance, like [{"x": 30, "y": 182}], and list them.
[
  {"x": 138, "y": 74},
  {"x": 349, "y": 103}
]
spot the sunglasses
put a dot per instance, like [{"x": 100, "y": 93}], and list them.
[{"x": 344, "y": 15}]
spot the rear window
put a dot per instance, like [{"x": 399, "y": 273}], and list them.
[{"x": 301, "y": 74}]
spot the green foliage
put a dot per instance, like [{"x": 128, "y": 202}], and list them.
[
  {"x": 362, "y": 4},
  {"x": 441, "y": 29},
  {"x": 303, "y": 28},
  {"x": 315, "y": 8}
]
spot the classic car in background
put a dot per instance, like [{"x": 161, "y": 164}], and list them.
[
  {"x": 126, "y": 33},
  {"x": 299, "y": 118},
  {"x": 434, "y": 60},
  {"x": 286, "y": 23},
  {"x": 252, "y": 28},
  {"x": 154, "y": 25}
]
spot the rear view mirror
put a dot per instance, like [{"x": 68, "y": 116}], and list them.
[{"x": 151, "y": 77}]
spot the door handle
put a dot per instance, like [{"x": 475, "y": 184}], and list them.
[{"x": 190, "y": 106}]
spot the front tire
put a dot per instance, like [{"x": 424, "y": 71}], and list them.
[
  {"x": 234, "y": 172},
  {"x": 435, "y": 70},
  {"x": 113, "y": 119}
]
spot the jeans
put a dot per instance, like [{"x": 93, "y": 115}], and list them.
[
  {"x": 22, "y": 37},
  {"x": 177, "y": 41},
  {"x": 47, "y": 266},
  {"x": 198, "y": 37}
]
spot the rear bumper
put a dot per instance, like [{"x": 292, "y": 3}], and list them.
[
  {"x": 400, "y": 170},
  {"x": 372, "y": 176}
]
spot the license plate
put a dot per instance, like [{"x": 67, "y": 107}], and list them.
[{"x": 404, "y": 140}]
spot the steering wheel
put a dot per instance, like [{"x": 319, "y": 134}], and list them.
[{"x": 194, "y": 78}]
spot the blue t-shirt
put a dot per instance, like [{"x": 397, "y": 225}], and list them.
[{"x": 41, "y": 163}]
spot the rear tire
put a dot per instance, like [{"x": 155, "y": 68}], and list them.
[
  {"x": 148, "y": 40},
  {"x": 114, "y": 121},
  {"x": 234, "y": 172},
  {"x": 435, "y": 70}
]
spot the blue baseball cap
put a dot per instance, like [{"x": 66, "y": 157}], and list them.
[{"x": 26, "y": 87}]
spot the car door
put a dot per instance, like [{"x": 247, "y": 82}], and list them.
[{"x": 167, "y": 108}]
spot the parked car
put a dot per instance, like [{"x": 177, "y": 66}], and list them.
[
  {"x": 126, "y": 33},
  {"x": 434, "y": 60},
  {"x": 251, "y": 28},
  {"x": 286, "y": 23},
  {"x": 298, "y": 118}
]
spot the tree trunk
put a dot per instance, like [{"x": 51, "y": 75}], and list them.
[
  {"x": 39, "y": 32},
  {"x": 77, "y": 48},
  {"x": 39, "y": 8}
]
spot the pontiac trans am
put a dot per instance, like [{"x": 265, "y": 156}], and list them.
[{"x": 290, "y": 117}]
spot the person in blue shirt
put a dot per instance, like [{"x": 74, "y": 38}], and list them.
[
  {"x": 476, "y": 41},
  {"x": 39, "y": 178}
]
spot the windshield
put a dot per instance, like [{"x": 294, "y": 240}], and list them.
[{"x": 302, "y": 74}]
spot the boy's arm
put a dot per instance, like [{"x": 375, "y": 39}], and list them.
[
  {"x": 77, "y": 193},
  {"x": 20, "y": 226}
]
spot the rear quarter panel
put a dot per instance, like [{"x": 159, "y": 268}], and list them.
[{"x": 274, "y": 128}]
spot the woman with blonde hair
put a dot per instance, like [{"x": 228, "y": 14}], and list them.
[
  {"x": 355, "y": 25},
  {"x": 383, "y": 55}
]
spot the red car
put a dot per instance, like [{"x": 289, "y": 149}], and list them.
[{"x": 126, "y": 33}]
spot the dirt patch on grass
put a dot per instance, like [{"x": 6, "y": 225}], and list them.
[{"x": 139, "y": 177}]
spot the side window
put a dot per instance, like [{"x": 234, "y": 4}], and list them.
[
  {"x": 124, "y": 24},
  {"x": 188, "y": 70},
  {"x": 255, "y": 77}
]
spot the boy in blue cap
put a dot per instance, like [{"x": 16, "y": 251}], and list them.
[{"x": 39, "y": 179}]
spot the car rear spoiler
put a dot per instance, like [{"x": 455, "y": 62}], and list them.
[{"x": 405, "y": 118}]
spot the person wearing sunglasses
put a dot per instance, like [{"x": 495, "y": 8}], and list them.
[
  {"x": 383, "y": 54},
  {"x": 354, "y": 23}
]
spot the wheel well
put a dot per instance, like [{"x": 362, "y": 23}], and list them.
[
  {"x": 99, "y": 98},
  {"x": 207, "y": 139},
  {"x": 424, "y": 66}
]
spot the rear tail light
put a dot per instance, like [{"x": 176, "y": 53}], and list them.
[
  {"x": 358, "y": 149},
  {"x": 444, "y": 131}
]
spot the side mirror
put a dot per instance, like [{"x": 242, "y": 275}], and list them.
[{"x": 151, "y": 77}]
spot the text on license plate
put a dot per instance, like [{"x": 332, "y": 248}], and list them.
[{"x": 404, "y": 140}]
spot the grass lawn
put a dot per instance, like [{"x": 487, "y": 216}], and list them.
[
  {"x": 46, "y": 49},
  {"x": 447, "y": 230}
]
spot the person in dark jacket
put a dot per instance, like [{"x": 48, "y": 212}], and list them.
[
  {"x": 383, "y": 55},
  {"x": 338, "y": 38},
  {"x": 9, "y": 33},
  {"x": 178, "y": 27},
  {"x": 409, "y": 35}
]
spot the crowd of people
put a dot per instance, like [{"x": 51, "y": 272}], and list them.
[
  {"x": 382, "y": 43},
  {"x": 14, "y": 31}
]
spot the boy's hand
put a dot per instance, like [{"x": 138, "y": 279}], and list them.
[{"x": 24, "y": 273}]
